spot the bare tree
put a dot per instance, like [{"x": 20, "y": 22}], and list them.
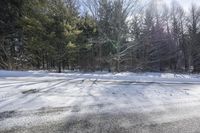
[
  {"x": 193, "y": 26},
  {"x": 112, "y": 17}
]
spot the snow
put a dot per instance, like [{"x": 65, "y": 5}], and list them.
[
  {"x": 94, "y": 92},
  {"x": 140, "y": 77},
  {"x": 174, "y": 96}
]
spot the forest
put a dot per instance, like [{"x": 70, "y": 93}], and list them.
[{"x": 99, "y": 35}]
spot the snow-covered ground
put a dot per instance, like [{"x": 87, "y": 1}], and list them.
[
  {"x": 100, "y": 93},
  {"x": 128, "y": 90}
]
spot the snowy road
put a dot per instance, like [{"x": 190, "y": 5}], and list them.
[{"x": 99, "y": 103}]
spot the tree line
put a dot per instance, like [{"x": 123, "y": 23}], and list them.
[{"x": 90, "y": 35}]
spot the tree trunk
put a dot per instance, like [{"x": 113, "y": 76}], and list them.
[
  {"x": 59, "y": 67},
  {"x": 118, "y": 65}
]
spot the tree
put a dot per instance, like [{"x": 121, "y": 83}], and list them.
[
  {"x": 87, "y": 48},
  {"x": 194, "y": 23},
  {"x": 114, "y": 15},
  {"x": 63, "y": 29},
  {"x": 113, "y": 35},
  {"x": 10, "y": 32}
]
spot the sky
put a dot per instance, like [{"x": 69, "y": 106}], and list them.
[{"x": 186, "y": 4}]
